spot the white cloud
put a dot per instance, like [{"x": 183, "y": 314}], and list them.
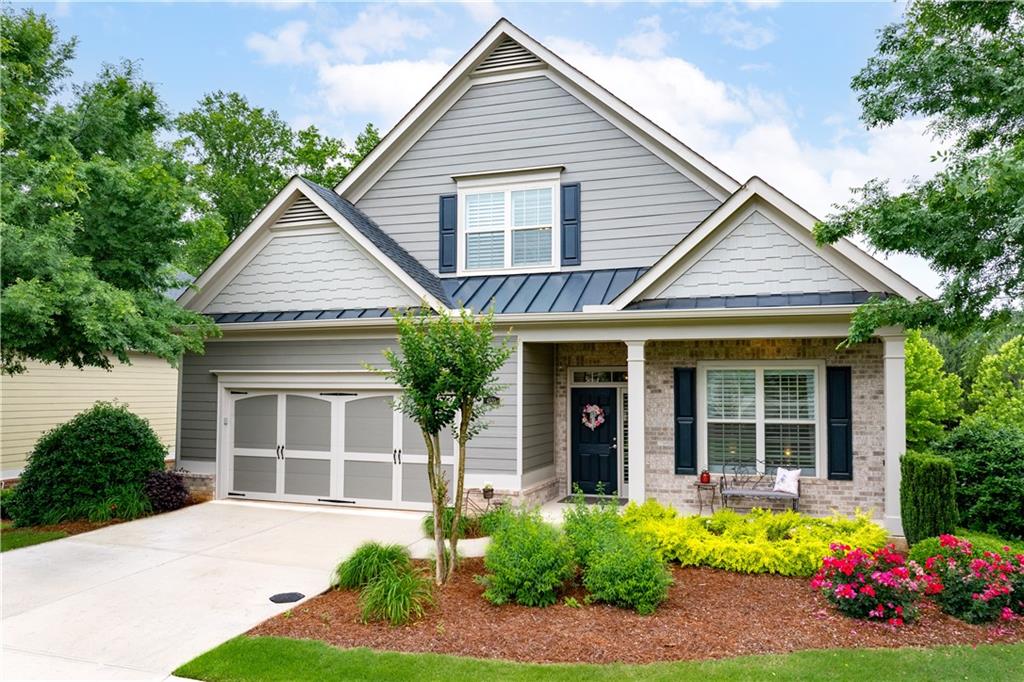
[
  {"x": 377, "y": 31},
  {"x": 482, "y": 11},
  {"x": 287, "y": 45},
  {"x": 756, "y": 66},
  {"x": 647, "y": 40},
  {"x": 383, "y": 91},
  {"x": 736, "y": 31}
]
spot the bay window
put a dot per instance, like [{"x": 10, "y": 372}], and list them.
[{"x": 761, "y": 417}]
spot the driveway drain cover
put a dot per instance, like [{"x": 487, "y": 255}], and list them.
[{"x": 286, "y": 597}]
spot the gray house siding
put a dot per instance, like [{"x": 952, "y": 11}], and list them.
[
  {"x": 493, "y": 451},
  {"x": 538, "y": 406},
  {"x": 310, "y": 272},
  {"x": 758, "y": 257},
  {"x": 635, "y": 207}
]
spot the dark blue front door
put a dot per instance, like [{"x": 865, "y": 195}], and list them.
[{"x": 595, "y": 446}]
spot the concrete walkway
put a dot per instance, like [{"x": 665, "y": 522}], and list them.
[{"x": 136, "y": 600}]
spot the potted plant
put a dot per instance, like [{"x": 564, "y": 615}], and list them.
[
  {"x": 488, "y": 491},
  {"x": 705, "y": 477}
]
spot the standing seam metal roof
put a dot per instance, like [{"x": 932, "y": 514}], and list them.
[{"x": 540, "y": 292}]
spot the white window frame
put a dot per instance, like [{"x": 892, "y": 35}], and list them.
[
  {"x": 759, "y": 367},
  {"x": 507, "y": 183}
]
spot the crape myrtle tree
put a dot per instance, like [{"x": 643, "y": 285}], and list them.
[
  {"x": 94, "y": 210},
  {"x": 447, "y": 367},
  {"x": 961, "y": 66}
]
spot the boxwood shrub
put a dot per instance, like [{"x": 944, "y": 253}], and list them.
[
  {"x": 81, "y": 465},
  {"x": 528, "y": 561},
  {"x": 927, "y": 495},
  {"x": 627, "y": 572}
]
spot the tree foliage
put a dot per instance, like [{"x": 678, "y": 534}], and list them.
[
  {"x": 93, "y": 211},
  {"x": 241, "y": 155},
  {"x": 447, "y": 368},
  {"x": 998, "y": 391},
  {"x": 961, "y": 64},
  {"x": 933, "y": 395}
]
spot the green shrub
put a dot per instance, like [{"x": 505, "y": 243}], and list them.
[
  {"x": 528, "y": 562},
  {"x": 83, "y": 464},
  {"x": 125, "y": 502},
  {"x": 989, "y": 462},
  {"x": 370, "y": 560},
  {"x": 786, "y": 543},
  {"x": 5, "y": 503},
  {"x": 494, "y": 519},
  {"x": 627, "y": 572},
  {"x": 396, "y": 595},
  {"x": 165, "y": 491},
  {"x": 981, "y": 543},
  {"x": 468, "y": 525},
  {"x": 927, "y": 496},
  {"x": 589, "y": 527}
]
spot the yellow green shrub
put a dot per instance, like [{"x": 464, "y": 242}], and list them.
[{"x": 786, "y": 543}]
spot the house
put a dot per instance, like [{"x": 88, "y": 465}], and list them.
[
  {"x": 48, "y": 395},
  {"x": 666, "y": 317}
]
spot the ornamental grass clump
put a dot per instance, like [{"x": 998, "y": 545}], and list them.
[
  {"x": 370, "y": 560},
  {"x": 976, "y": 586},
  {"x": 877, "y": 586},
  {"x": 396, "y": 596},
  {"x": 784, "y": 543}
]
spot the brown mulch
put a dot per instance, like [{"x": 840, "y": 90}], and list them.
[{"x": 709, "y": 614}]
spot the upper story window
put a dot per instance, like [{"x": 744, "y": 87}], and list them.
[{"x": 508, "y": 221}]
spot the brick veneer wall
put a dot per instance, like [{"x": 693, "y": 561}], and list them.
[{"x": 819, "y": 496}]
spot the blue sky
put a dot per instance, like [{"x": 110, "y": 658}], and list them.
[{"x": 758, "y": 88}]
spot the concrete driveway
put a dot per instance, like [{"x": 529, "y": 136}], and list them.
[{"x": 136, "y": 600}]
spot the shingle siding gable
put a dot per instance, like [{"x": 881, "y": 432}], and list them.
[{"x": 636, "y": 206}]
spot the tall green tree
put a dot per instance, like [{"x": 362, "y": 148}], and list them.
[
  {"x": 933, "y": 395},
  {"x": 998, "y": 392},
  {"x": 93, "y": 211},
  {"x": 243, "y": 154},
  {"x": 961, "y": 65}
]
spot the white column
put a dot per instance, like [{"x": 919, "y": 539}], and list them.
[
  {"x": 895, "y": 428},
  {"x": 637, "y": 383}
]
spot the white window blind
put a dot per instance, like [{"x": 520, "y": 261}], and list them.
[
  {"x": 732, "y": 419},
  {"x": 509, "y": 228}
]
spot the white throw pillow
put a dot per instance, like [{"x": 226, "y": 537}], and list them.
[{"x": 787, "y": 481}]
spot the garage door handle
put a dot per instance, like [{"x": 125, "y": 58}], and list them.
[
  {"x": 394, "y": 456},
  {"x": 399, "y": 455}
]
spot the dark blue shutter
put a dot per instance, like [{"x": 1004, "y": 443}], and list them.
[
  {"x": 571, "y": 224},
  {"x": 839, "y": 413},
  {"x": 448, "y": 236},
  {"x": 686, "y": 420}
]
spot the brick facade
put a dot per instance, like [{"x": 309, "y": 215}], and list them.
[{"x": 819, "y": 496}]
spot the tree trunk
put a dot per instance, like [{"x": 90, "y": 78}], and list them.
[
  {"x": 464, "y": 422},
  {"x": 437, "y": 503}
]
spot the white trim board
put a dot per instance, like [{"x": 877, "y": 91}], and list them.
[
  {"x": 258, "y": 234},
  {"x": 758, "y": 195},
  {"x": 459, "y": 79}
]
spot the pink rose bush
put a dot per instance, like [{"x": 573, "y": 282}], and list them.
[
  {"x": 879, "y": 586},
  {"x": 977, "y": 587}
]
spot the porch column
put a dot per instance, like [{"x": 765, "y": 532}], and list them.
[
  {"x": 895, "y": 428},
  {"x": 636, "y": 387}
]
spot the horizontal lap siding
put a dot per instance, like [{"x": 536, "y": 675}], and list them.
[
  {"x": 48, "y": 395},
  {"x": 538, "y": 406},
  {"x": 635, "y": 206},
  {"x": 492, "y": 451}
]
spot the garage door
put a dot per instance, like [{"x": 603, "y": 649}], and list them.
[{"x": 329, "y": 447}]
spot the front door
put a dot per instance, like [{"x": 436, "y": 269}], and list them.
[{"x": 595, "y": 440}]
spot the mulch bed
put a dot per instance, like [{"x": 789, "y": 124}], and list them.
[{"x": 709, "y": 614}]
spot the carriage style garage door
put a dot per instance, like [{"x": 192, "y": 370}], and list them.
[{"x": 328, "y": 447}]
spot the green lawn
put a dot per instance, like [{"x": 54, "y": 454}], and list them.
[
  {"x": 272, "y": 658},
  {"x": 13, "y": 538}
]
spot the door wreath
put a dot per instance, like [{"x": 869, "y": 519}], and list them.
[{"x": 593, "y": 416}]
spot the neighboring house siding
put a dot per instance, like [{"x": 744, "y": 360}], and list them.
[
  {"x": 48, "y": 395},
  {"x": 758, "y": 257},
  {"x": 538, "y": 406},
  {"x": 635, "y": 207},
  {"x": 491, "y": 451},
  {"x": 308, "y": 272}
]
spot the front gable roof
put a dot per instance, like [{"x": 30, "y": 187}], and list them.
[
  {"x": 377, "y": 245},
  {"x": 503, "y": 49},
  {"x": 844, "y": 258}
]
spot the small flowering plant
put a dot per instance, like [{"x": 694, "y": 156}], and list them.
[
  {"x": 878, "y": 586},
  {"x": 974, "y": 586}
]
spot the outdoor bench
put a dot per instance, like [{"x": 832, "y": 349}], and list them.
[{"x": 752, "y": 485}]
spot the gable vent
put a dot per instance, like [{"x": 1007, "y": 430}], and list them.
[
  {"x": 302, "y": 212},
  {"x": 506, "y": 55}
]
